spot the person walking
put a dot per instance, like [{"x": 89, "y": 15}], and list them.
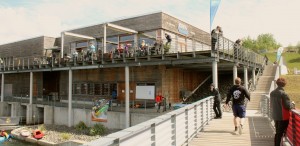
[
  {"x": 158, "y": 100},
  {"x": 280, "y": 109},
  {"x": 215, "y": 34},
  {"x": 217, "y": 101},
  {"x": 238, "y": 93}
]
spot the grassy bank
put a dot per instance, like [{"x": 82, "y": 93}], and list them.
[{"x": 292, "y": 88}]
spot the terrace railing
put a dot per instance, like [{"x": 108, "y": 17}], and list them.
[
  {"x": 136, "y": 53},
  {"x": 174, "y": 128}
]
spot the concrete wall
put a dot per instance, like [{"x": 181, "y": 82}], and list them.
[
  {"x": 4, "y": 109},
  {"x": 48, "y": 114},
  {"x": 115, "y": 120},
  {"x": 15, "y": 109}
]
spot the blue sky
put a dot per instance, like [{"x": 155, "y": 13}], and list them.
[{"x": 23, "y": 19}]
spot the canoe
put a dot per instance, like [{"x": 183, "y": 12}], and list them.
[
  {"x": 37, "y": 134},
  {"x": 3, "y": 139},
  {"x": 25, "y": 133}
]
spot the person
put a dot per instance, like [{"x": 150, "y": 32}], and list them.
[
  {"x": 169, "y": 39},
  {"x": 236, "y": 48},
  {"x": 215, "y": 34},
  {"x": 238, "y": 93},
  {"x": 280, "y": 109},
  {"x": 266, "y": 59},
  {"x": 158, "y": 100},
  {"x": 164, "y": 100},
  {"x": 217, "y": 101},
  {"x": 143, "y": 48}
]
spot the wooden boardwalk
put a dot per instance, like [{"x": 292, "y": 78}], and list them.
[{"x": 257, "y": 131}]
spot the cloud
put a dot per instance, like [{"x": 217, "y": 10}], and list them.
[
  {"x": 238, "y": 18},
  {"x": 243, "y": 18}
]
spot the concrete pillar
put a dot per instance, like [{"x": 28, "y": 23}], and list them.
[
  {"x": 2, "y": 88},
  {"x": 246, "y": 77},
  {"x": 253, "y": 76},
  {"x": 62, "y": 44},
  {"x": 15, "y": 109},
  {"x": 127, "y": 97},
  {"x": 48, "y": 115},
  {"x": 104, "y": 39},
  {"x": 31, "y": 117},
  {"x": 215, "y": 73},
  {"x": 234, "y": 73},
  {"x": 70, "y": 99},
  {"x": 31, "y": 88}
]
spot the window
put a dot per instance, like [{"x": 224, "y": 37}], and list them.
[{"x": 101, "y": 89}]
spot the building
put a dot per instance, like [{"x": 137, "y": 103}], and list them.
[{"x": 138, "y": 54}]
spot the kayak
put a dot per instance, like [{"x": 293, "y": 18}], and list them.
[
  {"x": 37, "y": 134},
  {"x": 3, "y": 139},
  {"x": 25, "y": 133}
]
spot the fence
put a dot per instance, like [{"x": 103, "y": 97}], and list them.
[{"x": 175, "y": 128}]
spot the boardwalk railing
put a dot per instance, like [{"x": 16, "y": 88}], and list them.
[
  {"x": 175, "y": 128},
  {"x": 293, "y": 131}
]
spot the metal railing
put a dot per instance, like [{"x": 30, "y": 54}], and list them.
[
  {"x": 161, "y": 50},
  {"x": 175, "y": 128}
]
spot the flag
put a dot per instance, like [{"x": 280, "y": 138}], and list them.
[{"x": 214, "y": 4}]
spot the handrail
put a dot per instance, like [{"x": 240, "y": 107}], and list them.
[
  {"x": 133, "y": 51},
  {"x": 293, "y": 130},
  {"x": 175, "y": 128}
]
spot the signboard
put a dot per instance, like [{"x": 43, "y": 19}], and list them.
[
  {"x": 183, "y": 29},
  {"x": 145, "y": 92}
]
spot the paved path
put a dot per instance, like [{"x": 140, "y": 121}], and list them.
[{"x": 220, "y": 132}]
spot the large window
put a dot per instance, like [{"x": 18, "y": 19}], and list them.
[{"x": 101, "y": 89}]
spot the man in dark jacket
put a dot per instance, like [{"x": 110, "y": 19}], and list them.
[
  {"x": 280, "y": 107},
  {"x": 215, "y": 34},
  {"x": 238, "y": 93},
  {"x": 217, "y": 101}
]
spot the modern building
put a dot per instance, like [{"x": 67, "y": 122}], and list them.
[{"x": 141, "y": 57}]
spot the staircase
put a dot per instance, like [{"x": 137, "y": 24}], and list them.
[{"x": 262, "y": 87}]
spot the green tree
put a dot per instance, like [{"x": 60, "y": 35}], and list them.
[
  {"x": 263, "y": 42},
  {"x": 249, "y": 43}
]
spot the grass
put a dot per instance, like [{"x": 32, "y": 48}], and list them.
[
  {"x": 292, "y": 60},
  {"x": 292, "y": 88},
  {"x": 65, "y": 136}
]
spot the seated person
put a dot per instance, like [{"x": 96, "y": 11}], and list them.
[{"x": 143, "y": 48}]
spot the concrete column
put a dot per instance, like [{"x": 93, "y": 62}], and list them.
[
  {"x": 127, "y": 97},
  {"x": 48, "y": 114},
  {"x": 70, "y": 100},
  {"x": 215, "y": 73},
  {"x": 30, "y": 87},
  {"x": 62, "y": 44},
  {"x": 234, "y": 73},
  {"x": 104, "y": 39},
  {"x": 246, "y": 77},
  {"x": 253, "y": 76},
  {"x": 2, "y": 88}
]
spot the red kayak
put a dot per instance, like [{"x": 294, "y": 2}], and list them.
[{"x": 37, "y": 134}]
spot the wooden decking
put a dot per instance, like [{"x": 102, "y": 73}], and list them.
[{"x": 257, "y": 131}]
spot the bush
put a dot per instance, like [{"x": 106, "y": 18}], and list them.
[
  {"x": 98, "y": 129},
  {"x": 65, "y": 136},
  {"x": 81, "y": 126}
]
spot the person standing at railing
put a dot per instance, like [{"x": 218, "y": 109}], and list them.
[
  {"x": 236, "y": 50},
  {"x": 215, "y": 34},
  {"x": 280, "y": 109},
  {"x": 217, "y": 101},
  {"x": 238, "y": 93}
]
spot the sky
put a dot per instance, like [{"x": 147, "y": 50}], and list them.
[{"x": 24, "y": 19}]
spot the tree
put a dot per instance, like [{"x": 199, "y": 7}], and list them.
[
  {"x": 250, "y": 43},
  {"x": 264, "y": 42},
  {"x": 267, "y": 41}
]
